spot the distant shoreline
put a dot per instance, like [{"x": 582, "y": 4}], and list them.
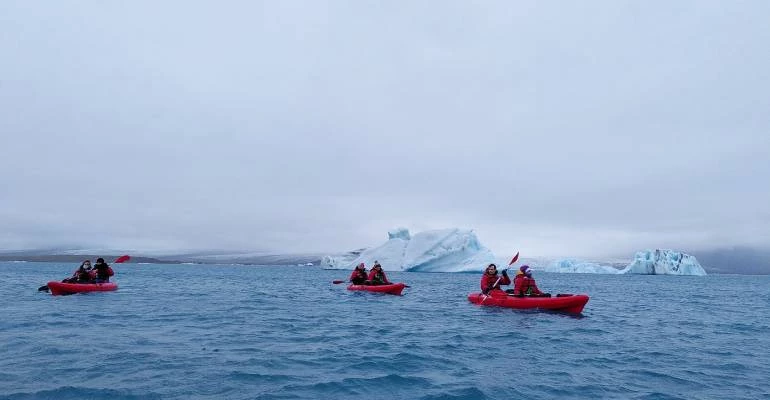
[
  {"x": 253, "y": 260},
  {"x": 78, "y": 258}
]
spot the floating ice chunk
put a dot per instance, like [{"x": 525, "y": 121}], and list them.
[
  {"x": 580, "y": 267},
  {"x": 664, "y": 262}
]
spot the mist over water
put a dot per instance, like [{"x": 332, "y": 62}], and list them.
[{"x": 246, "y": 332}]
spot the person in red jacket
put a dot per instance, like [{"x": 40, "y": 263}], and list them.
[
  {"x": 103, "y": 271},
  {"x": 377, "y": 275},
  {"x": 84, "y": 274},
  {"x": 358, "y": 277},
  {"x": 525, "y": 285},
  {"x": 490, "y": 280}
]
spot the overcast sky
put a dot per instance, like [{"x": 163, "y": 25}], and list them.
[{"x": 562, "y": 128}]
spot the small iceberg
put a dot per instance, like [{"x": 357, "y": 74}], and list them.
[
  {"x": 646, "y": 262},
  {"x": 580, "y": 267},
  {"x": 664, "y": 262}
]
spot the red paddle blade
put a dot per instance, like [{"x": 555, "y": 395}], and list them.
[
  {"x": 122, "y": 259},
  {"x": 516, "y": 257}
]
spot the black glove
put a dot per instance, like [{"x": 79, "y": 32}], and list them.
[
  {"x": 505, "y": 273},
  {"x": 546, "y": 295}
]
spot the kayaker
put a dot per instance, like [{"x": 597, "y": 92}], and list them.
[
  {"x": 377, "y": 275},
  {"x": 525, "y": 285},
  {"x": 358, "y": 277},
  {"x": 518, "y": 275},
  {"x": 490, "y": 280},
  {"x": 83, "y": 274},
  {"x": 103, "y": 271}
]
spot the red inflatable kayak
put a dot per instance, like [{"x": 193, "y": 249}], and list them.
[
  {"x": 61, "y": 288},
  {"x": 394, "y": 288},
  {"x": 568, "y": 303}
]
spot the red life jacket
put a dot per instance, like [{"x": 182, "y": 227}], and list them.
[
  {"x": 378, "y": 277},
  {"x": 488, "y": 280},
  {"x": 525, "y": 285},
  {"x": 83, "y": 276},
  {"x": 358, "y": 275}
]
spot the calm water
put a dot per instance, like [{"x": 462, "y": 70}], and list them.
[{"x": 240, "y": 332}]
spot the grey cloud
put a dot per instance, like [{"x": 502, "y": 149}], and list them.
[{"x": 592, "y": 128}]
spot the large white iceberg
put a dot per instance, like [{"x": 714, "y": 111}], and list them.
[
  {"x": 664, "y": 262},
  {"x": 443, "y": 250}
]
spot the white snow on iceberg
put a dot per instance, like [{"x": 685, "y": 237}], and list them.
[
  {"x": 664, "y": 262},
  {"x": 443, "y": 250}
]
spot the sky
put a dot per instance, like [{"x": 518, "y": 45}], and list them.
[{"x": 583, "y": 129}]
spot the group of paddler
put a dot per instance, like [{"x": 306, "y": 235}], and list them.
[
  {"x": 523, "y": 283},
  {"x": 524, "y": 295}
]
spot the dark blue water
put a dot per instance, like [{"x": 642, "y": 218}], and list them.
[{"x": 239, "y": 332}]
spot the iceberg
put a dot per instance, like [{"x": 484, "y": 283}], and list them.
[
  {"x": 580, "y": 267},
  {"x": 664, "y": 262},
  {"x": 340, "y": 261},
  {"x": 442, "y": 250},
  {"x": 646, "y": 262}
]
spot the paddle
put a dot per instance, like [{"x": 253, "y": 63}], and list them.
[
  {"x": 513, "y": 260},
  {"x": 118, "y": 260}
]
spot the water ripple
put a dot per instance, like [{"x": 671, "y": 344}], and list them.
[{"x": 212, "y": 332}]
